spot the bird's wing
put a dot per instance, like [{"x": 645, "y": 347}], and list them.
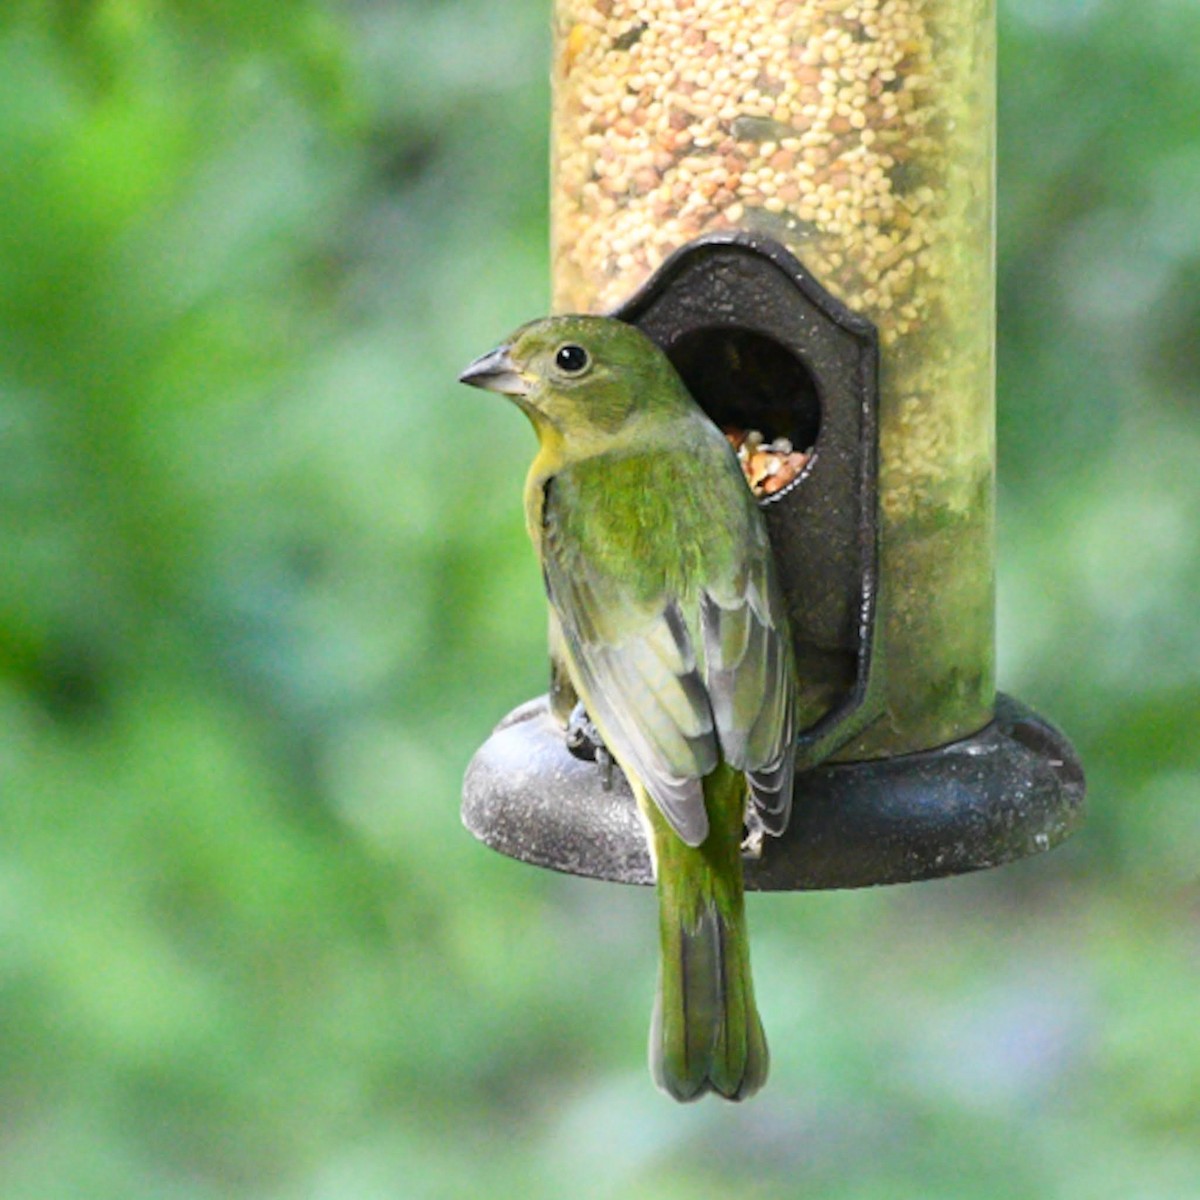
[
  {"x": 635, "y": 664},
  {"x": 750, "y": 678}
]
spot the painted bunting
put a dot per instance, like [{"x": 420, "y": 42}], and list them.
[{"x": 674, "y": 635}]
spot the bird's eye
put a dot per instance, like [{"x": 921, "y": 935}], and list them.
[{"x": 572, "y": 359}]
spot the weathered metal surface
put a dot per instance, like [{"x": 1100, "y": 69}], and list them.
[{"x": 1015, "y": 788}]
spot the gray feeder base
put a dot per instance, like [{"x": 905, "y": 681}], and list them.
[{"x": 1013, "y": 789}]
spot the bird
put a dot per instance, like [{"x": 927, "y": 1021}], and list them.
[{"x": 672, "y": 628}]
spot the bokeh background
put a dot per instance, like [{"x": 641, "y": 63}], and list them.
[{"x": 264, "y": 587}]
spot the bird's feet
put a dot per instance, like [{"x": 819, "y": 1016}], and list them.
[
  {"x": 584, "y": 741},
  {"x": 752, "y": 837}
]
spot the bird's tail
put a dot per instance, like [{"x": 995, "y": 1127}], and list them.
[{"x": 706, "y": 1033}]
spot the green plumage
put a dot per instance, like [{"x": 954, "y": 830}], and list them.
[
  {"x": 668, "y": 624},
  {"x": 706, "y": 1031}
]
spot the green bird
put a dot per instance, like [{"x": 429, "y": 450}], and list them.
[{"x": 670, "y": 623}]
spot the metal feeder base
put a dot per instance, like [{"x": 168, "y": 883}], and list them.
[{"x": 1013, "y": 789}]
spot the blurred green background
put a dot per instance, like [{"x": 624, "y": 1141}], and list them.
[{"x": 265, "y": 587}]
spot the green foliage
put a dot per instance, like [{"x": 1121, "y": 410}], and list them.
[{"x": 265, "y": 587}]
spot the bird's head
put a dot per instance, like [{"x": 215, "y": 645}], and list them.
[{"x": 578, "y": 377}]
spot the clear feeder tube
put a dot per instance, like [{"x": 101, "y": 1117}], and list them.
[{"x": 860, "y": 134}]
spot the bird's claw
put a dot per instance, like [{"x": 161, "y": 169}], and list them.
[
  {"x": 584, "y": 741},
  {"x": 604, "y": 761},
  {"x": 752, "y": 843}
]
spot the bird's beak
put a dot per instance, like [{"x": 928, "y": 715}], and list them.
[{"x": 496, "y": 372}]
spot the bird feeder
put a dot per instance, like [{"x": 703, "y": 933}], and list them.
[{"x": 795, "y": 200}]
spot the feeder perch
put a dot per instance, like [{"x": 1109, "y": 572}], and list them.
[{"x": 795, "y": 200}]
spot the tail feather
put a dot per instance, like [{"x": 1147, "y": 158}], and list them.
[
  {"x": 706, "y": 1033},
  {"x": 740, "y": 1059}
]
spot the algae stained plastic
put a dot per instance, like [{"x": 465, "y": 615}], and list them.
[{"x": 859, "y": 134}]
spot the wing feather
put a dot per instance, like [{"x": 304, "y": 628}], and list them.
[
  {"x": 636, "y": 666},
  {"x": 750, "y": 677},
  {"x": 677, "y": 677}
]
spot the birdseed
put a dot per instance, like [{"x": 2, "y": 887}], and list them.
[{"x": 768, "y": 468}]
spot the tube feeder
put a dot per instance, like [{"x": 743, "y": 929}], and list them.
[{"x": 795, "y": 200}]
